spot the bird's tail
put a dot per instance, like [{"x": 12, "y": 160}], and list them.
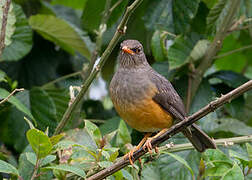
[{"x": 200, "y": 140}]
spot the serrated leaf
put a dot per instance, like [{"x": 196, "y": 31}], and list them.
[
  {"x": 61, "y": 33},
  {"x": 21, "y": 39},
  {"x": 181, "y": 160},
  {"x": 69, "y": 168},
  {"x": 13, "y": 100},
  {"x": 8, "y": 168},
  {"x": 39, "y": 142}
]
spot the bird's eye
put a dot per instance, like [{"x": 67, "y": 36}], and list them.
[{"x": 136, "y": 50}]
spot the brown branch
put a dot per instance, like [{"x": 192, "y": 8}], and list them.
[
  {"x": 212, "y": 106},
  {"x": 11, "y": 94},
  {"x": 4, "y": 23}
]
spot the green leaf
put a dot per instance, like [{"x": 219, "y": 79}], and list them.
[
  {"x": 55, "y": 139},
  {"x": 181, "y": 160},
  {"x": 216, "y": 15},
  {"x": 105, "y": 164},
  {"x": 11, "y": 19},
  {"x": 157, "y": 46},
  {"x": 231, "y": 125},
  {"x": 76, "y": 4},
  {"x": 230, "y": 78},
  {"x": 150, "y": 172},
  {"x": 94, "y": 131},
  {"x": 21, "y": 39},
  {"x": 61, "y": 33},
  {"x": 39, "y": 142},
  {"x": 110, "y": 125},
  {"x": 243, "y": 159},
  {"x": 13, "y": 100},
  {"x": 123, "y": 136},
  {"x": 2, "y": 76},
  {"x": 249, "y": 151},
  {"x": 172, "y": 16},
  {"x": 43, "y": 108},
  {"x": 68, "y": 168},
  {"x": 234, "y": 173},
  {"x": 8, "y": 168},
  {"x": 93, "y": 13},
  {"x": 32, "y": 158},
  {"x": 215, "y": 156},
  {"x": 184, "y": 50}
]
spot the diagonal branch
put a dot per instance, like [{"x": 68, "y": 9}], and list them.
[
  {"x": 212, "y": 106},
  {"x": 214, "y": 47},
  {"x": 120, "y": 31}
]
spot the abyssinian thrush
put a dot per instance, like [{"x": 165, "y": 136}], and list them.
[{"x": 146, "y": 100}]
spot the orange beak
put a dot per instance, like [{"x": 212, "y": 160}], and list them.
[{"x": 127, "y": 50}]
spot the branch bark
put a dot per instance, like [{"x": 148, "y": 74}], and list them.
[
  {"x": 212, "y": 106},
  {"x": 214, "y": 47},
  {"x": 120, "y": 31},
  {"x": 4, "y": 23}
]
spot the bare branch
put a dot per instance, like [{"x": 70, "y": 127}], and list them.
[
  {"x": 4, "y": 23},
  {"x": 11, "y": 94},
  {"x": 212, "y": 106}
]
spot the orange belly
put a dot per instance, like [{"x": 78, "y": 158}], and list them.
[{"x": 145, "y": 116}]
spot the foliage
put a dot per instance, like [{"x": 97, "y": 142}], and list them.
[{"x": 48, "y": 47}]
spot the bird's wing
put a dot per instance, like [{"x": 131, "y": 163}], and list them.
[{"x": 167, "y": 97}]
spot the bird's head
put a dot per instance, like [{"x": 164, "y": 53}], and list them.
[{"x": 131, "y": 54}]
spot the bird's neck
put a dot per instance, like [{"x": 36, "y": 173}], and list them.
[{"x": 131, "y": 63}]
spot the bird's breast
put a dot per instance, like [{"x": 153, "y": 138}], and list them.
[{"x": 132, "y": 95}]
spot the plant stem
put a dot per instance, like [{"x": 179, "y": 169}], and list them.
[
  {"x": 214, "y": 47},
  {"x": 62, "y": 78},
  {"x": 233, "y": 51},
  {"x": 120, "y": 31},
  {"x": 226, "y": 142},
  {"x": 34, "y": 175},
  {"x": 4, "y": 23},
  {"x": 212, "y": 106}
]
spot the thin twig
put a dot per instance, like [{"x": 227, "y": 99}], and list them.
[
  {"x": 34, "y": 175},
  {"x": 4, "y": 23},
  {"x": 120, "y": 31},
  {"x": 215, "y": 46},
  {"x": 233, "y": 51},
  {"x": 62, "y": 78},
  {"x": 11, "y": 94},
  {"x": 212, "y": 106}
]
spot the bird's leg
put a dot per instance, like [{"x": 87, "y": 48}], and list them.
[
  {"x": 131, "y": 153},
  {"x": 148, "y": 141}
]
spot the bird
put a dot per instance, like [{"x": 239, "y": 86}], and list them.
[{"x": 147, "y": 101}]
